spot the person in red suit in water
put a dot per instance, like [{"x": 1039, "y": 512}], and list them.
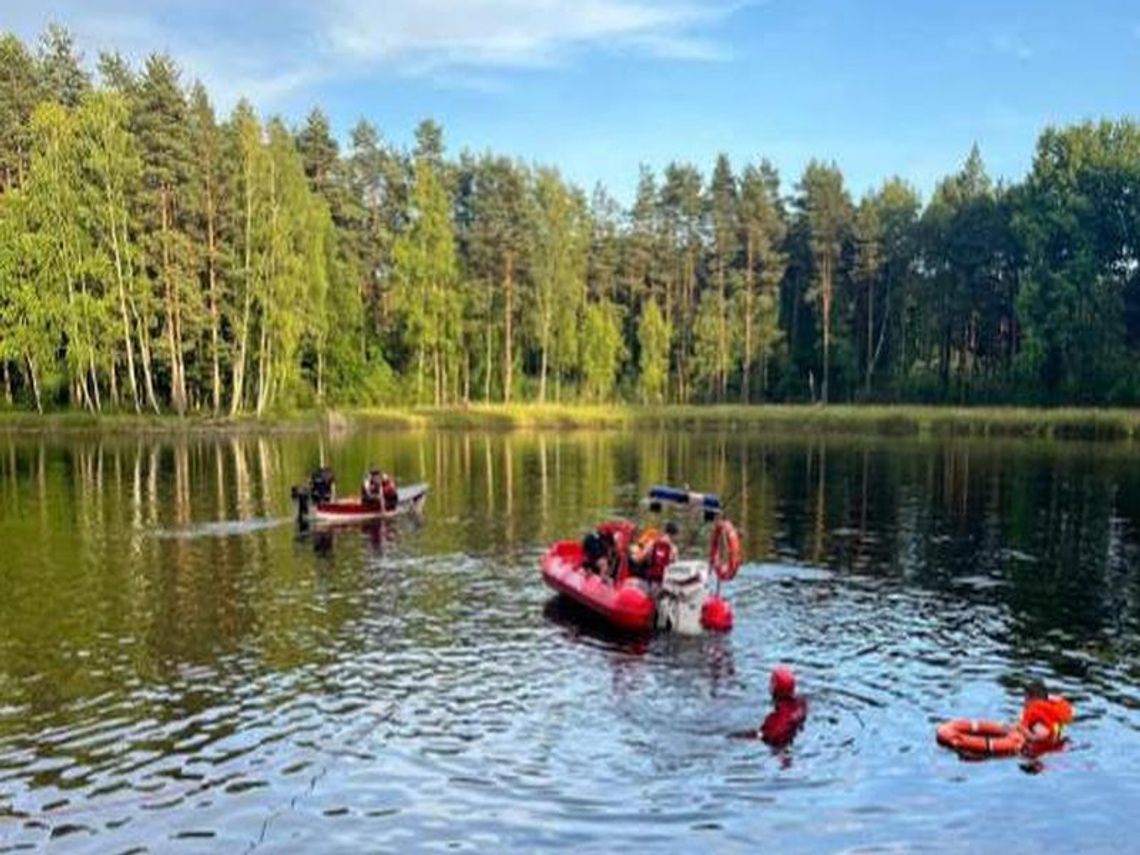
[{"x": 789, "y": 711}]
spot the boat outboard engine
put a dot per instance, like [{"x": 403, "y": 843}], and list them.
[
  {"x": 300, "y": 495},
  {"x": 682, "y": 596}
]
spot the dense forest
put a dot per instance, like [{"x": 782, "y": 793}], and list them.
[{"x": 156, "y": 257}]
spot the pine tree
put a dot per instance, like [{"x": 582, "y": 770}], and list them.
[
  {"x": 19, "y": 93},
  {"x": 763, "y": 227},
  {"x": 723, "y": 221},
  {"x": 162, "y": 126},
  {"x": 826, "y": 208},
  {"x": 60, "y": 68},
  {"x": 557, "y": 266},
  {"x": 205, "y": 201},
  {"x": 424, "y": 269}
]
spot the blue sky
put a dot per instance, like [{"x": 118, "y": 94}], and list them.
[{"x": 596, "y": 87}]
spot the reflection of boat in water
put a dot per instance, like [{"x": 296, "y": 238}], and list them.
[
  {"x": 579, "y": 622},
  {"x": 409, "y": 499}
]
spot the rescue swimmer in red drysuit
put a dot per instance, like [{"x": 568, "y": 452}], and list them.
[
  {"x": 1043, "y": 719},
  {"x": 789, "y": 711}
]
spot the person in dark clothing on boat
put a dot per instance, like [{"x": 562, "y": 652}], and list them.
[
  {"x": 372, "y": 490},
  {"x": 388, "y": 492},
  {"x": 322, "y": 485},
  {"x": 603, "y": 547},
  {"x": 595, "y": 554}
]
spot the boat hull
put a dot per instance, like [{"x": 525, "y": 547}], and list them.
[
  {"x": 627, "y": 606},
  {"x": 409, "y": 498}
]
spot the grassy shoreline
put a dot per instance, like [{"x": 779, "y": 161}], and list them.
[{"x": 886, "y": 420}]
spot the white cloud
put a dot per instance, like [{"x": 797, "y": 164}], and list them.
[
  {"x": 269, "y": 50},
  {"x": 502, "y": 32},
  {"x": 1009, "y": 45}
]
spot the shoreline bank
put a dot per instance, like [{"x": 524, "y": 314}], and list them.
[{"x": 886, "y": 420}]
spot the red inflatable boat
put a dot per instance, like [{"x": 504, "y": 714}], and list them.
[{"x": 626, "y": 604}]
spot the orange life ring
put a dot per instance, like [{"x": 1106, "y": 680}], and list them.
[
  {"x": 724, "y": 551},
  {"x": 981, "y": 738}
]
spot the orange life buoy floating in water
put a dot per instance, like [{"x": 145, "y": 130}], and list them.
[
  {"x": 724, "y": 553},
  {"x": 982, "y": 738}
]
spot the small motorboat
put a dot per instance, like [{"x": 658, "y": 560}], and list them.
[{"x": 346, "y": 511}]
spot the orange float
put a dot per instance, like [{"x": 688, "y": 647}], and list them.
[
  {"x": 981, "y": 738},
  {"x": 724, "y": 551}
]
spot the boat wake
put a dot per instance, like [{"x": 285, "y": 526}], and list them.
[{"x": 224, "y": 528}]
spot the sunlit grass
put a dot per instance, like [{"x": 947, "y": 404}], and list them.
[{"x": 900, "y": 420}]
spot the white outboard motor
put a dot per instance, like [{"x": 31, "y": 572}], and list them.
[{"x": 681, "y": 596}]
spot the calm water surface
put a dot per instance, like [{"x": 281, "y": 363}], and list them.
[{"x": 182, "y": 670}]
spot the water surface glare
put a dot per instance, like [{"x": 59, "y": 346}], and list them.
[{"x": 182, "y": 670}]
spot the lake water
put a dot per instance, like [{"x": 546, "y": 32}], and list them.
[{"x": 182, "y": 670}]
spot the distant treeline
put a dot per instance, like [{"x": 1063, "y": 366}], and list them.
[{"x": 155, "y": 258}]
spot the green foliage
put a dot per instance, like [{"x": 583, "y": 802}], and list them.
[
  {"x": 653, "y": 335},
  {"x": 19, "y": 92},
  {"x": 152, "y": 257},
  {"x": 424, "y": 270},
  {"x": 602, "y": 350}
]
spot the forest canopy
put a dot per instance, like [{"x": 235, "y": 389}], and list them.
[{"x": 155, "y": 256}]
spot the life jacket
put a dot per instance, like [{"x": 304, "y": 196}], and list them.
[
  {"x": 610, "y": 529},
  {"x": 646, "y": 538},
  {"x": 1053, "y": 713},
  {"x": 390, "y": 494},
  {"x": 660, "y": 556}
]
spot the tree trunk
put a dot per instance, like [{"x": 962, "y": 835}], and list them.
[
  {"x": 870, "y": 331},
  {"x": 238, "y": 380},
  {"x": 122, "y": 289},
  {"x": 113, "y": 380},
  {"x": 825, "y": 290},
  {"x": 508, "y": 340},
  {"x": 97, "y": 404},
  {"x": 745, "y": 373},
  {"x": 35, "y": 383},
  {"x": 7, "y": 384},
  {"x": 466, "y": 376},
  {"x": 420, "y": 375},
  {"x": 488, "y": 363},
  {"x": 211, "y": 275},
  {"x": 144, "y": 358},
  {"x": 437, "y": 371},
  {"x": 173, "y": 340},
  {"x": 262, "y": 367},
  {"x": 722, "y": 342},
  {"x": 542, "y": 376},
  {"x": 320, "y": 374}
]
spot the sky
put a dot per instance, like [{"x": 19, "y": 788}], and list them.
[{"x": 598, "y": 87}]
